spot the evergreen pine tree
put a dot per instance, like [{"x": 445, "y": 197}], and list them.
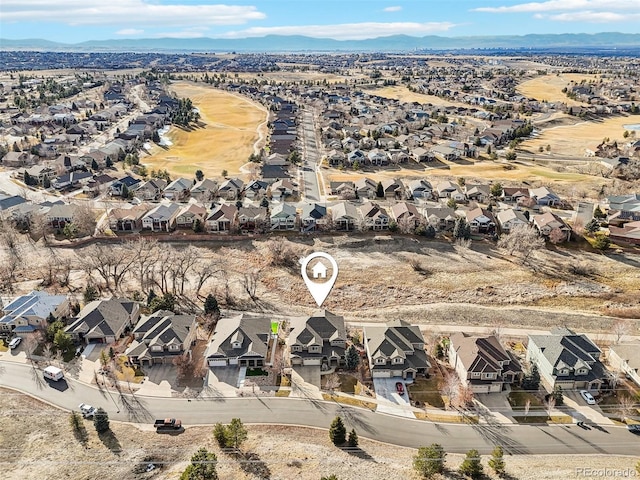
[
  {"x": 429, "y": 460},
  {"x": 471, "y": 466},
  {"x": 338, "y": 432},
  {"x": 380, "y": 190},
  {"x": 352, "y": 358},
  {"x": 353, "y": 439},
  {"x": 101, "y": 420}
]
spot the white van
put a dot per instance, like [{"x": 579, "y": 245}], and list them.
[
  {"x": 53, "y": 373},
  {"x": 15, "y": 342}
]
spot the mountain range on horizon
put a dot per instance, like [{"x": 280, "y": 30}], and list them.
[{"x": 281, "y": 43}]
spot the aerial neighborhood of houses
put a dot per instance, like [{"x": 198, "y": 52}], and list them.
[{"x": 339, "y": 163}]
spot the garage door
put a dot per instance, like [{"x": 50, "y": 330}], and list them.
[{"x": 217, "y": 363}]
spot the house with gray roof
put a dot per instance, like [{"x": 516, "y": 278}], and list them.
[
  {"x": 625, "y": 358},
  {"x": 161, "y": 218},
  {"x": 396, "y": 350},
  {"x": 178, "y": 190},
  {"x": 161, "y": 337},
  {"x": 566, "y": 359},
  {"x": 29, "y": 312},
  {"x": 283, "y": 217},
  {"x": 313, "y": 217},
  {"x": 482, "y": 362},
  {"x": 241, "y": 340},
  {"x": 317, "y": 340},
  {"x": 345, "y": 216},
  {"x": 104, "y": 321}
]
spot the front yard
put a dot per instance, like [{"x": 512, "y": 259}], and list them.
[
  {"x": 518, "y": 399},
  {"x": 426, "y": 391}
]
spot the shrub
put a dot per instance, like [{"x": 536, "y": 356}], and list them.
[
  {"x": 101, "y": 420},
  {"x": 429, "y": 460},
  {"x": 471, "y": 466},
  {"x": 338, "y": 432}
]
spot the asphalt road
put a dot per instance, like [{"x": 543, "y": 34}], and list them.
[
  {"x": 516, "y": 439},
  {"x": 311, "y": 158}
]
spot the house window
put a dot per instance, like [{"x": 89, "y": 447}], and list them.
[
  {"x": 487, "y": 375},
  {"x": 295, "y": 348},
  {"x": 236, "y": 345},
  {"x": 314, "y": 349},
  {"x": 174, "y": 348},
  {"x": 380, "y": 361},
  {"x": 582, "y": 371},
  {"x": 397, "y": 360},
  {"x": 475, "y": 374},
  {"x": 156, "y": 348}
]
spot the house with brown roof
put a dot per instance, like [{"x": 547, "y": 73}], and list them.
[
  {"x": 127, "y": 219},
  {"x": 395, "y": 350},
  {"x": 482, "y": 362},
  {"x": 188, "y": 215},
  {"x": 373, "y": 217},
  {"x": 481, "y": 220},
  {"x": 547, "y": 222},
  {"x": 625, "y": 358},
  {"x": 222, "y": 219},
  {"x": 406, "y": 215}
]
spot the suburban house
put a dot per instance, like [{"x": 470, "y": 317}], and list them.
[
  {"x": 345, "y": 216},
  {"x": 514, "y": 195},
  {"x": 241, "y": 340},
  {"x": 29, "y": 312},
  {"x": 204, "y": 190},
  {"x": 317, "y": 340},
  {"x": 72, "y": 179},
  {"x": 256, "y": 189},
  {"x": 161, "y": 337},
  {"x": 127, "y": 219},
  {"x": 392, "y": 188},
  {"x": 151, "y": 190},
  {"x": 567, "y": 360},
  {"x": 60, "y": 214},
  {"x": 623, "y": 208},
  {"x": 188, "y": 215},
  {"x": 481, "y": 220},
  {"x": 313, "y": 216},
  {"x": 345, "y": 190},
  {"x": 283, "y": 188},
  {"x": 447, "y": 189},
  {"x": 161, "y": 218},
  {"x": 544, "y": 196},
  {"x": 251, "y": 219},
  {"x": 509, "y": 218},
  {"x": 283, "y": 217},
  {"x": 625, "y": 358},
  {"x": 178, "y": 190},
  {"x": 477, "y": 192},
  {"x": 366, "y": 188},
  {"x": 123, "y": 184},
  {"x": 441, "y": 218},
  {"x": 548, "y": 222},
  {"x": 222, "y": 218},
  {"x": 419, "y": 189},
  {"x": 406, "y": 215},
  {"x": 629, "y": 233},
  {"x": 480, "y": 360},
  {"x": 396, "y": 350},
  {"x": 231, "y": 189},
  {"x": 104, "y": 321},
  {"x": 373, "y": 217}
]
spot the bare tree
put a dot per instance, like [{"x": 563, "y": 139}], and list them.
[
  {"x": 111, "y": 263},
  {"x": 332, "y": 382},
  {"x": 451, "y": 387},
  {"x": 523, "y": 240},
  {"x": 84, "y": 217},
  {"x": 145, "y": 252},
  {"x": 549, "y": 405},
  {"x": 250, "y": 282},
  {"x": 464, "y": 397},
  {"x": 527, "y": 406},
  {"x": 557, "y": 236},
  {"x": 180, "y": 267},
  {"x": 203, "y": 271},
  {"x": 613, "y": 377},
  {"x": 620, "y": 328},
  {"x": 626, "y": 407}
]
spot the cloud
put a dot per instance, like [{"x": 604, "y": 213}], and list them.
[
  {"x": 594, "y": 17},
  {"x": 563, "y": 6},
  {"x": 147, "y": 13},
  {"x": 347, "y": 31},
  {"x": 396, "y": 8},
  {"x": 129, "y": 31}
]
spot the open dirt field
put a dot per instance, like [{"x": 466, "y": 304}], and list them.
[
  {"x": 232, "y": 127},
  {"x": 405, "y": 95},
  {"x": 549, "y": 87},
  {"x": 47, "y": 448},
  {"x": 574, "y": 140}
]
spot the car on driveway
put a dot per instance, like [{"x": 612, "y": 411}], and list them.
[
  {"x": 87, "y": 410},
  {"x": 588, "y": 397},
  {"x": 15, "y": 342},
  {"x": 634, "y": 429},
  {"x": 400, "y": 388}
]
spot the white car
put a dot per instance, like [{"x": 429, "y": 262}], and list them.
[
  {"x": 87, "y": 410},
  {"x": 15, "y": 342},
  {"x": 588, "y": 397}
]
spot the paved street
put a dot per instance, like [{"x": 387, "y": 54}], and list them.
[
  {"x": 311, "y": 157},
  {"x": 387, "y": 428}
]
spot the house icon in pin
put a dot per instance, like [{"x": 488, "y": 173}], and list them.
[{"x": 319, "y": 270}]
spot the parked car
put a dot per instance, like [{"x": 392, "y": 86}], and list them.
[
  {"x": 634, "y": 429},
  {"x": 400, "y": 388},
  {"x": 15, "y": 342},
  {"x": 87, "y": 410},
  {"x": 164, "y": 424},
  {"x": 53, "y": 373},
  {"x": 588, "y": 397}
]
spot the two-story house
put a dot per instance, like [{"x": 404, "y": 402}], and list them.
[
  {"x": 567, "y": 360},
  {"x": 396, "y": 350},
  {"x": 317, "y": 340},
  {"x": 625, "y": 358},
  {"x": 482, "y": 362},
  {"x": 161, "y": 337},
  {"x": 161, "y": 218},
  {"x": 241, "y": 340},
  {"x": 222, "y": 219},
  {"x": 283, "y": 217}
]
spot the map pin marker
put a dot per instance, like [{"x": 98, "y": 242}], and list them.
[{"x": 320, "y": 291}]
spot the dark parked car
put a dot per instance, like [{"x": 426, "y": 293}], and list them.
[
  {"x": 634, "y": 429},
  {"x": 400, "y": 388}
]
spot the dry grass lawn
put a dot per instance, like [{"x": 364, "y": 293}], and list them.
[
  {"x": 574, "y": 140},
  {"x": 233, "y": 128},
  {"x": 403, "y": 94},
  {"x": 549, "y": 87},
  {"x": 46, "y": 448}
]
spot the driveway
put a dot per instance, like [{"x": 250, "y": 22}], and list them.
[
  {"x": 577, "y": 407},
  {"x": 223, "y": 381},
  {"x": 161, "y": 372},
  {"x": 495, "y": 405},
  {"x": 389, "y": 400},
  {"x": 305, "y": 382}
]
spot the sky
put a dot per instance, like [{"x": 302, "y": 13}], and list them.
[{"x": 73, "y": 21}]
